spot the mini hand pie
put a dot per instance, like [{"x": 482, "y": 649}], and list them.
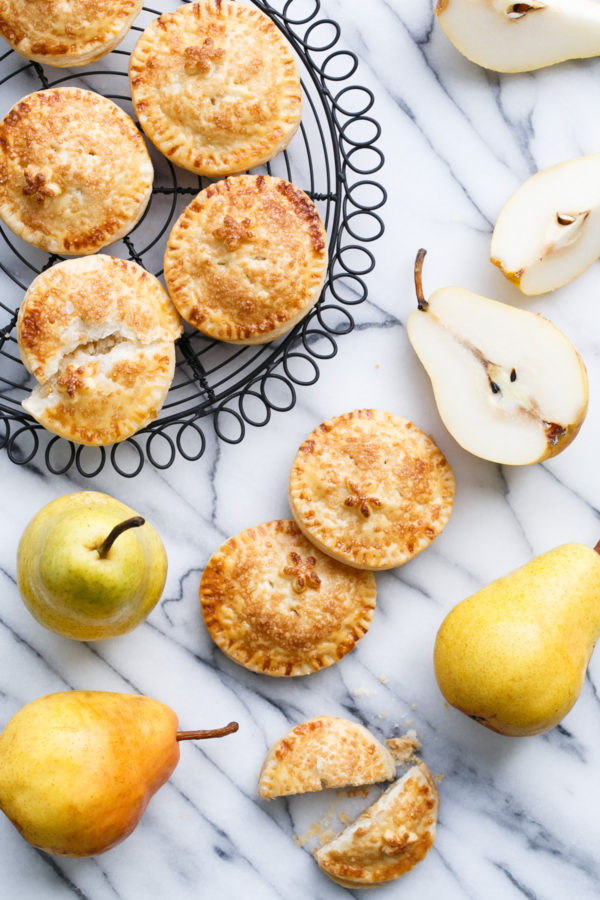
[
  {"x": 370, "y": 489},
  {"x": 275, "y": 604},
  {"x": 98, "y": 334}
]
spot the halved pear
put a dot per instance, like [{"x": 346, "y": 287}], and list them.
[
  {"x": 548, "y": 232},
  {"x": 510, "y": 387},
  {"x": 517, "y": 37}
]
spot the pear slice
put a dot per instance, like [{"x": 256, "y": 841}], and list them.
[
  {"x": 517, "y": 37},
  {"x": 509, "y": 386},
  {"x": 548, "y": 232}
]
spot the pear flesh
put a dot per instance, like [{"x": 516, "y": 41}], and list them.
[
  {"x": 521, "y": 36},
  {"x": 514, "y": 655},
  {"x": 548, "y": 232},
  {"x": 510, "y": 387}
]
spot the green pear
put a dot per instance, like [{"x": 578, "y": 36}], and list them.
[
  {"x": 89, "y": 568},
  {"x": 78, "y": 768},
  {"x": 514, "y": 655}
]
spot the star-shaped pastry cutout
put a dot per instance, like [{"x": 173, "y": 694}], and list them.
[
  {"x": 302, "y": 573},
  {"x": 200, "y": 59},
  {"x": 360, "y": 499},
  {"x": 233, "y": 233},
  {"x": 39, "y": 185}
]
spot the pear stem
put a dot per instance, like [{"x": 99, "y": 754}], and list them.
[
  {"x": 134, "y": 522},
  {"x": 211, "y": 733},
  {"x": 597, "y": 547},
  {"x": 421, "y": 301}
]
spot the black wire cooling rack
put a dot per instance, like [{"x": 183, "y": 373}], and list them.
[{"x": 217, "y": 386}]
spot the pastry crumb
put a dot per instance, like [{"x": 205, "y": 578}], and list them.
[
  {"x": 326, "y": 836},
  {"x": 383, "y": 679},
  {"x": 363, "y": 692},
  {"x": 405, "y": 748},
  {"x": 300, "y": 840},
  {"x": 358, "y": 792},
  {"x": 439, "y": 777}
]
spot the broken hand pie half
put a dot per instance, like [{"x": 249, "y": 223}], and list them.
[
  {"x": 325, "y": 752},
  {"x": 387, "y": 839},
  {"x": 98, "y": 334}
]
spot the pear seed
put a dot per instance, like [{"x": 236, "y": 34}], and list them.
[
  {"x": 554, "y": 433},
  {"x": 513, "y": 375},
  {"x": 495, "y": 388},
  {"x": 518, "y": 10}
]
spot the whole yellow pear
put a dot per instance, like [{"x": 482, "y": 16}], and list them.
[
  {"x": 78, "y": 768},
  {"x": 513, "y": 656}
]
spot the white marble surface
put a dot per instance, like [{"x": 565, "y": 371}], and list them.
[{"x": 518, "y": 816}]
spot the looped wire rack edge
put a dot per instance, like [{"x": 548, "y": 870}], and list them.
[{"x": 226, "y": 387}]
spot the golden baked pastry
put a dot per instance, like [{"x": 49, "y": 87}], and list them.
[
  {"x": 247, "y": 259},
  {"x": 371, "y": 489},
  {"x": 98, "y": 334},
  {"x": 325, "y": 752},
  {"x": 75, "y": 174},
  {"x": 387, "y": 839},
  {"x": 80, "y": 301},
  {"x": 66, "y": 34},
  {"x": 103, "y": 396},
  {"x": 215, "y": 87},
  {"x": 275, "y": 604}
]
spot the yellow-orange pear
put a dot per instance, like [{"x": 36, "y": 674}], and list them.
[
  {"x": 514, "y": 655},
  {"x": 78, "y": 768}
]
